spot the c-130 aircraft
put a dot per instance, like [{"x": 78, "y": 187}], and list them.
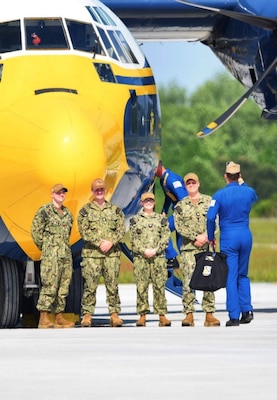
[{"x": 79, "y": 101}]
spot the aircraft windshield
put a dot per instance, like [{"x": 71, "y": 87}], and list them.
[
  {"x": 10, "y": 37},
  {"x": 112, "y": 38},
  {"x": 45, "y": 34},
  {"x": 102, "y": 36},
  {"x": 84, "y": 37}
]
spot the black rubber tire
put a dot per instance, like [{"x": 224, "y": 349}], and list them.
[{"x": 9, "y": 293}]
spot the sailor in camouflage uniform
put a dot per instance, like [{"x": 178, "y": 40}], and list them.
[
  {"x": 102, "y": 227},
  {"x": 51, "y": 228},
  {"x": 190, "y": 221},
  {"x": 149, "y": 236}
]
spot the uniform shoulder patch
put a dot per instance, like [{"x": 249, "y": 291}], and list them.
[
  {"x": 178, "y": 209},
  {"x": 83, "y": 211},
  {"x": 164, "y": 221},
  {"x": 132, "y": 221}
]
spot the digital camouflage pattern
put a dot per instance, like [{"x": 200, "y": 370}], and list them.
[
  {"x": 94, "y": 224},
  {"x": 92, "y": 270},
  {"x": 150, "y": 231},
  {"x": 51, "y": 231},
  {"x": 190, "y": 221},
  {"x": 97, "y": 223}
]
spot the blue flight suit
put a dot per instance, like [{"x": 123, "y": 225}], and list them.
[
  {"x": 233, "y": 204},
  {"x": 174, "y": 190}
]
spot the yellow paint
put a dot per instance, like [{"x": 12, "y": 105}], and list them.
[{"x": 58, "y": 136}]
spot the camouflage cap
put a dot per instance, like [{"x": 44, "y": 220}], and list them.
[
  {"x": 97, "y": 184},
  {"x": 191, "y": 176},
  {"x": 147, "y": 195},
  {"x": 56, "y": 188},
  {"x": 232, "y": 168}
]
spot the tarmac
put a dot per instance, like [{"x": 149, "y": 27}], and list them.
[{"x": 151, "y": 362}]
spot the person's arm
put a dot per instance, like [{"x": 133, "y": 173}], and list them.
[
  {"x": 165, "y": 235},
  {"x": 211, "y": 219},
  {"x": 38, "y": 226},
  {"x": 119, "y": 231},
  {"x": 183, "y": 225}
]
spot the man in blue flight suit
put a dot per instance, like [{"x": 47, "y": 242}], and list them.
[
  {"x": 174, "y": 190},
  {"x": 233, "y": 204}
]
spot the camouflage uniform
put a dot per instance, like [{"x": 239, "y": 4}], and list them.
[
  {"x": 94, "y": 224},
  {"x": 190, "y": 221},
  {"x": 50, "y": 232},
  {"x": 150, "y": 231}
]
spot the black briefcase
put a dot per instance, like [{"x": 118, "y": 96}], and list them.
[{"x": 210, "y": 273}]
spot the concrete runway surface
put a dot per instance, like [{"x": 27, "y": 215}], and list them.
[{"x": 132, "y": 363}]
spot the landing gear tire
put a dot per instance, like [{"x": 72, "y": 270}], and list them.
[{"x": 9, "y": 293}]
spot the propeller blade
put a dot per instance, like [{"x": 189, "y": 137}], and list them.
[
  {"x": 261, "y": 22},
  {"x": 213, "y": 126}
]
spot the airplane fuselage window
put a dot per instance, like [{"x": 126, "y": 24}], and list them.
[
  {"x": 10, "y": 37},
  {"x": 45, "y": 34}
]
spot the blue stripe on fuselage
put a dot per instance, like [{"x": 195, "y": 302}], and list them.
[{"x": 135, "y": 81}]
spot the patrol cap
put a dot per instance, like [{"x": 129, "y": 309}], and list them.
[
  {"x": 191, "y": 176},
  {"x": 97, "y": 184},
  {"x": 147, "y": 195},
  {"x": 56, "y": 188},
  {"x": 232, "y": 168}
]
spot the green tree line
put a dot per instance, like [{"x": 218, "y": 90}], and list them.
[{"x": 245, "y": 139}]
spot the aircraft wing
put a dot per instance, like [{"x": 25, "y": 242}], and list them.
[
  {"x": 181, "y": 19},
  {"x": 164, "y": 20},
  {"x": 241, "y": 33}
]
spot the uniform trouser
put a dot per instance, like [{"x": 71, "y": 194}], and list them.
[
  {"x": 55, "y": 274},
  {"x": 92, "y": 270},
  {"x": 237, "y": 244},
  {"x": 170, "y": 251},
  {"x": 187, "y": 265},
  {"x": 146, "y": 271}
]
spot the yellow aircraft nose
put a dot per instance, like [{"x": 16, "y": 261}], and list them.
[
  {"x": 70, "y": 145},
  {"x": 51, "y": 138}
]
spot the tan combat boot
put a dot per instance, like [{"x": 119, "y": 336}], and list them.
[
  {"x": 44, "y": 321},
  {"x": 115, "y": 321},
  {"x": 142, "y": 320},
  {"x": 164, "y": 321},
  {"x": 211, "y": 320},
  {"x": 60, "y": 322},
  {"x": 86, "y": 320},
  {"x": 188, "y": 321}
]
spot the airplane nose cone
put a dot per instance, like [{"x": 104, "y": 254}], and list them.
[
  {"x": 70, "y": 146},
  {"x": 54, "y": 139},
  {"x": 45, "y": 140}
]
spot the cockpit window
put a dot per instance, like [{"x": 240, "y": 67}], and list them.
[
  {"x": 83, "y": 37},
  {"x": 105, "y": 18},
  {"x": 45, "y": 34},
  {"x": 110, "y": 49},
  {"x": 10, "y": 37},
  {"x": 127, "y": 48},
  {"x": 100, "y": 16},
  {"x": 123, "y": 49}
]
